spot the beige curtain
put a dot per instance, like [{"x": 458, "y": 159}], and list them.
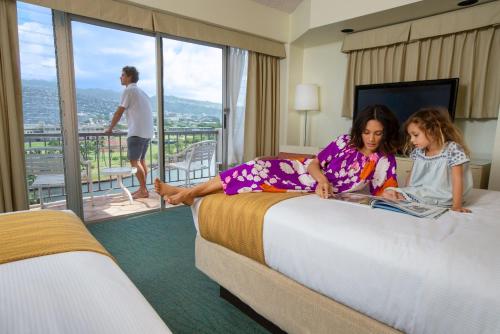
[
  {"x": 262, "y": 107},
  {"x": 463, "y": 43},
  {"x": 150, "y": 19},
  {"x": 370, "y": 66},
  {"x": 12, "y": 176},
  {"x": 473, "y": 56}
]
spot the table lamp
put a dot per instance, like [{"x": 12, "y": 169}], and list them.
[{"x": 306, "y": 99}]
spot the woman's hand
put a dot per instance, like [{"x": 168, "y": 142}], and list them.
[
  {"x": 392, "y": 194},
  {"x": 324, "y": 189},
  {"x": 460, "y": 209}
]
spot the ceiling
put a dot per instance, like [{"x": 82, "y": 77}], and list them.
[
  {"x": 287, "y": 6},
  {"x": 331, "y": 32}
]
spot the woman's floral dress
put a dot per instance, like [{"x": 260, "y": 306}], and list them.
[{"x": 346, "y": 168}]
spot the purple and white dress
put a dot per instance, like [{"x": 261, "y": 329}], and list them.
[{"x": 345, "y": 167}]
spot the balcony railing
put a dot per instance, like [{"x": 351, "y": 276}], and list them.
[{"x": 104, "y": 151}]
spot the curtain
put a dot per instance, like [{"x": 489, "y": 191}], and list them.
[
  {"x": 463, "y": 43},
  {"x": 370, "y": 66},
  {"x": 473, "y": 57},
  {"x": 13, "y": 194},
  {"x": 150, "y": 19},
  {"x": 238, "y": 59},
  {"x": 262, "y": 106}
]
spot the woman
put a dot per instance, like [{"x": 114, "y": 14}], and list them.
[{"x": 350, "y": 163}]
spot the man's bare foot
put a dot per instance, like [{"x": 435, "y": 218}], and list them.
[
  {"x": 182, "y": 196},
  {"x": 140, "y": 194},
  {"x": 164, "y": 189}
]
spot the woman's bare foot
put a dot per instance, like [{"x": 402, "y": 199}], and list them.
[
  {"x": 164, "y": 189},
  {"x": 173, "y": 195},
  {"x": 182, "y": 196}
]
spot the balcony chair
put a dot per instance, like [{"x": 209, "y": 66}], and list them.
[
  {"x": 48, "y": 170},
  {"x": 197, "y": 156}
]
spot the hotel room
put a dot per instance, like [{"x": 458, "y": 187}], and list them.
[{"x": 80, "y": 253}]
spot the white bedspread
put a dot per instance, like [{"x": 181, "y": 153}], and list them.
[
  {"x": 74, "y": 292},
  {"x": 417, "y": 275}
]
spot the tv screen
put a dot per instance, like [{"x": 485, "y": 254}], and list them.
[{"x": 405, "y": 98}]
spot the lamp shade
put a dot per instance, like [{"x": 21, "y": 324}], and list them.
[{"x": 306, "y": 97}]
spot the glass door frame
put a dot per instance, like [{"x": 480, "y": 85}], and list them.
[
  {"x": 68, "y": 106},
  {"x": 220, "y": 157},
  {"x": 69, "y": 119},
  {"x": 67, "y": 100}
]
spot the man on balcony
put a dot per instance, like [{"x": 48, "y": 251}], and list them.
[{"x": 137, "y": 108}]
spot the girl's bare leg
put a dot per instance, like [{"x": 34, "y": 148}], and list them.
[{"x": 177, "y": 195}]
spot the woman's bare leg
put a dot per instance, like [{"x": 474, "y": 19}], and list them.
[{"x": 177, "y": 195}]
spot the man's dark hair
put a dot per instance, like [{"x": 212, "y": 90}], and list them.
[
  {"x": 131, "y": 71},
  {"x": 390, "y": 138}
]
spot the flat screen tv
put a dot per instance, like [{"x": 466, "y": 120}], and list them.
[{"x": 405, "y": 98}]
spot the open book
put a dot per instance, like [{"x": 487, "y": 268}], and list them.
[{"x": 411, "y": 208}]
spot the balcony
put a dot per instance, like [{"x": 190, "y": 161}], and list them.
[{"x": 105, "y": 151}]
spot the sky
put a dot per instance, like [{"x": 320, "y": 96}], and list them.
[{"x": 190, "y": 70}]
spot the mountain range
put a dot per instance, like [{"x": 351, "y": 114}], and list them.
[{"x": 95, "y": 106}]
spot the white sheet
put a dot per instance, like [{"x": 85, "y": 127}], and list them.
[
  {"x": 417, "y": 275},
  {"x": 74, "y": 292}
]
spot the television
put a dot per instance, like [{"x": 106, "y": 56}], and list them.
[{"x": 405, "y": 98}]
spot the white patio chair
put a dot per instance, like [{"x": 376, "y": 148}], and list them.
[
  {"x": 48, "y": 170},
  {"x": 197, "y": 156}
]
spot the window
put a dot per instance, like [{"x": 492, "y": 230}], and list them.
[{"x": 41, "y": 111}]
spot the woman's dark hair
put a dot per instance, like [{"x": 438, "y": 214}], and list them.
[
  {"x": 378, "y": 112},
  {"x": 131, "y": 71}
]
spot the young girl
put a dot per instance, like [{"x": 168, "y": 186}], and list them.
[
  {"x": 350, "y": 163},
  {"x": 440, "y": 173}
]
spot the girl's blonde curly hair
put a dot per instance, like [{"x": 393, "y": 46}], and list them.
[{"x": 437, "y": 125}]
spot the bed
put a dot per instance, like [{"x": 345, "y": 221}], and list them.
[
  {"x": 70, "y": 285},
  {"x": 332, "y": 265}
]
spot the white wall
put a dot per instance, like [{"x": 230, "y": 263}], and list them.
[
  {"x": 326, "y": 66},
  {"x": 479, "y": 135},
  {"x": 494, "y": 183},
  {"x": 290, "y": 118}
]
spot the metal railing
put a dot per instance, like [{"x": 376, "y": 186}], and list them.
[{"x": 104, "y": 151}]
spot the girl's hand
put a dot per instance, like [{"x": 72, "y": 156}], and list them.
[
  {"x": 461, "y": 209},
  {"x": 392, "y": 194},
  {"x": 324, "y": 189}
]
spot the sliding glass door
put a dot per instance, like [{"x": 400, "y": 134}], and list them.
[
  {"x": 70, "y": 69},
  {"x": 100, "y": 53},
  {"x": 193, "y": 105}
]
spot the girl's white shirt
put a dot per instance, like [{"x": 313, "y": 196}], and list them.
[{"x": 430, "y": 181}]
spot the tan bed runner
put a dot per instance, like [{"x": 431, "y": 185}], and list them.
[
  {"x": 29, "y": 234},
  {"x": 236, "y": 221}
]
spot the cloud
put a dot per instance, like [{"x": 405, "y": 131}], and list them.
[
  {"x": 37, "y": 51},
  {"x": 190, "y": 70}
]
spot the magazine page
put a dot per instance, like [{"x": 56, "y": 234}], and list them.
[
  {"x": 412, "y": 208},
  {"x": 355, "y": 198},
  {"x": 407, "y": 207}
]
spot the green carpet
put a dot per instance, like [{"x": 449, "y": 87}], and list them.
[{"x": 157, "y": 252}]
